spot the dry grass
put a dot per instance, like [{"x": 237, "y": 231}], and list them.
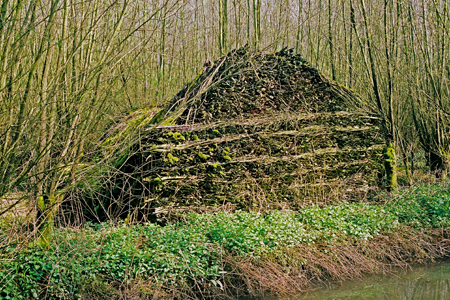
[
  {"x": 300, "y": 269},
  {"x": 22, "y": 210},
  {"x": 17, "y": 223}
]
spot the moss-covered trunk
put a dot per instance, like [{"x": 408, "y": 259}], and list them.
[
  {"x": 390, "y": 166},
  {"x": 47, "y": 209}
]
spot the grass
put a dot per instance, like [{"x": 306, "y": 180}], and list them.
[{"x": 223, "y": 251}]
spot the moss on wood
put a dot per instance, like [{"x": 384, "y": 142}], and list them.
[{"x": 390, "y": 165}]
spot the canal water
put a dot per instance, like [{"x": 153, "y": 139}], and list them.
[{"x": 431, "y": 282}]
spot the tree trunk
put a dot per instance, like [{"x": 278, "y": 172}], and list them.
[{"x": 390, "y": 166}]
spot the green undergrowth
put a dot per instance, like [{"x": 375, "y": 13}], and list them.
[
  {"x": 425, "y": 206},
  {"x": 181, "y": 255}
]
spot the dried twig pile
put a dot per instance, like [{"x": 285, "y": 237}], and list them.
[{"x": 253, "y": 131}]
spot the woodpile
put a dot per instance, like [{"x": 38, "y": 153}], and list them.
[{"x": 254, "y": 131}]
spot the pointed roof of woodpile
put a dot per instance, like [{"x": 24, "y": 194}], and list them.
[{"x": 245, "y": 83}]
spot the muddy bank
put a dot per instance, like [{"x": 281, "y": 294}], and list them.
[
  {"x": 301, "y": 269},
  {"x": 420, "y": 282}
]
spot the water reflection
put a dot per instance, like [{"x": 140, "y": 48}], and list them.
[{"x": 423, "y": 283}]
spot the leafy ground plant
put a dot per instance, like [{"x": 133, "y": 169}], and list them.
[{"x": 192, "y": 253}]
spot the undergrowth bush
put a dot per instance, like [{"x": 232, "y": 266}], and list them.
[
  {"x": 423, "y": 206},
  {"x": 190, "y": 252}
]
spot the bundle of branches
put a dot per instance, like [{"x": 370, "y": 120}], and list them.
[{"x": 253, "y": 131}]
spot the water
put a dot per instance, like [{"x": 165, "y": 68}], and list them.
[{"x": 430, "y": 282}]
